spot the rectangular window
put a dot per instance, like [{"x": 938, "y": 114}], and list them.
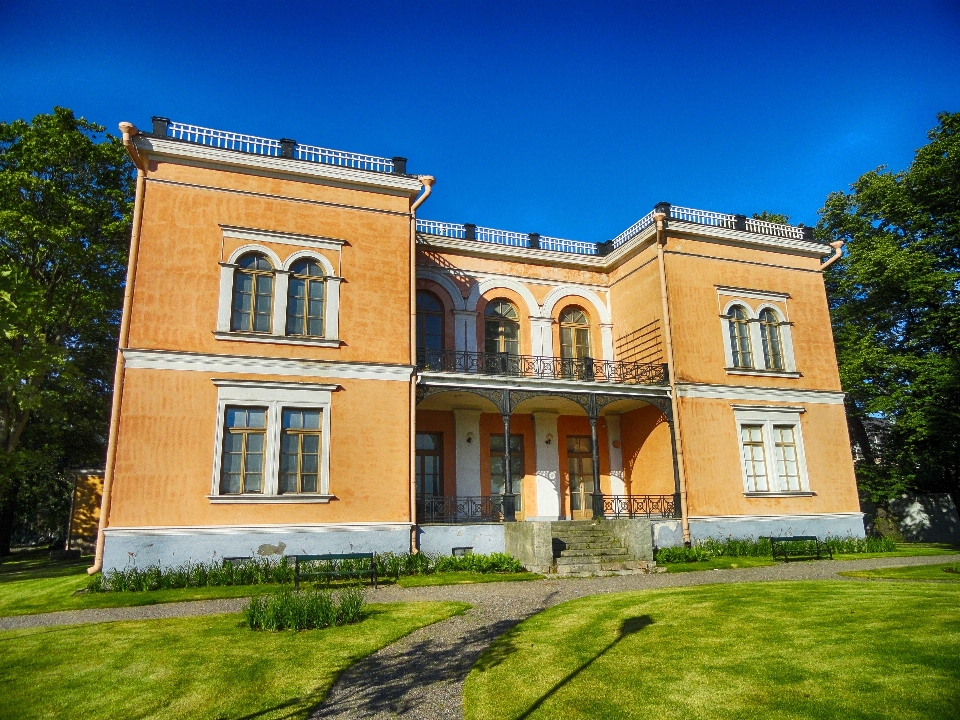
[
  {"x": 244, "y": 440},
  {"x": 429, "y": 464},
  {"x": 299, "y": 451},
  {"x": 754, "y": 461},
  {"x": 788, "y": 466},
  {"x": 498, "y": 478}
]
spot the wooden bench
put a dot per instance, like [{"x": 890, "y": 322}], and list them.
[
  {"x": 370, "y": 572},
  {"x": 779, "y": 541}
]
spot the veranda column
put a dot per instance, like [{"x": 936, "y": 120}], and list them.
[
  {"x": 597, "y": 497},
  {"x": 467, "y": 422},
  {"x": 548, "y": 465},
  {"x": 617, "y": 484},
  {"x": 509, "y": 501}
]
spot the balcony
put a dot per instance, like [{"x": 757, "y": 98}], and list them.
[
  {"x": 490, "y": 508},
  {"x": 542, "y": 368},
  {"x": 742, "y": 223}
]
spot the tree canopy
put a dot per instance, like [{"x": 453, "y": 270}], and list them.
[
  {"x": 896, "y": 320},
  {"x": 66, "y": 196}
]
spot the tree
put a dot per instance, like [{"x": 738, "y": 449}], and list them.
[
  {"x": 66, "y": 195},
  {"x": 773, "y": 217},
  {"x": 893, "y": 299}
]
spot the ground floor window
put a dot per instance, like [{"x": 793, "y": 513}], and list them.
[
  {"x": 771, "y": 450},
  {"x": 429, "y": 464},
  {"x": 498, "y": 478},
  {"x": 273, "y": 441}
]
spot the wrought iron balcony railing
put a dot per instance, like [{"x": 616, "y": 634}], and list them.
[
  {"x": 636, "y": 506},
  {"x": 461, "y": 508},
  {"x": 544, "y": 368}
]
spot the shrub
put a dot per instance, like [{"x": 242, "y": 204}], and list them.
[
  {"x": 265, "y": 571},
  {"x": 304, "y": 610},
  {"x": 733, "y": 547}
]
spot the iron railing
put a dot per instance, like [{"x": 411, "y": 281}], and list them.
[
  {"x": 635, "y": 506},
  {"x": 462, "y": 508},
  {"x": 543, "y": 368},
  {"x": 275, "y": 148}
]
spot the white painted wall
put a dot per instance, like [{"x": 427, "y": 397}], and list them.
[
  {"x": 617, "y": 485},
  {"x": 468, "y": 453},
  {"x": 548, "y": 466}
]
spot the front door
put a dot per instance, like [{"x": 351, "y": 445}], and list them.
[
  {"x": 580, "y": 472},
  {"x": 429, "y": 466}
]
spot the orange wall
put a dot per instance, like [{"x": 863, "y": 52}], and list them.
[
  {"x": 713, "y": 471},
  {"x": 647, "y": 455},
  {"x": 178, "y": 276},
  {"x": 165, "y": 454}
]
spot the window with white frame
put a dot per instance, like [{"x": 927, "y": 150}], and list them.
[
  {"x": 272, "y": 442},
  {"x": 771, "y": 450},
  {"x": 262, "y": 299},
  {"x": 757, "y": 337}
]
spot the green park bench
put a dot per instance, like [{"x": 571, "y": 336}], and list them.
[
  {"x": 780, "y": 544},
  {"x": 335, "y": 572}
]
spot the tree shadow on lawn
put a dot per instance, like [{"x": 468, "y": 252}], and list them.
[{"x": 391, "y": 682}]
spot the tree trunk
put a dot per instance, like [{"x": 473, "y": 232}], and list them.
[{"x": 8, "y": 509}]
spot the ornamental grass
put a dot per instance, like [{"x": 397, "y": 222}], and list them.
[
  {"x": 705, "y": 550},
  {"x": 305, "y": 609}
]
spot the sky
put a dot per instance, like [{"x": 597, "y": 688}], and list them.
[{"x": 567, "y": 119}]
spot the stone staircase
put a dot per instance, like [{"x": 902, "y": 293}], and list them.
[{"x": 581, "y": 548}]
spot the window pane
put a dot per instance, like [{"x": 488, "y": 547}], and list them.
[
  {"x": 308, "y": 483},
  {"x": 311, "y": 419},
  {"x": 428, "y": 441},
  {"x": 256, "y": 418},
  {"x": 753, "y": 457},
  {"x": 230, "y": 484},
  {"x": 292, "y": 419},
  {"x": 288, "y": 482}
]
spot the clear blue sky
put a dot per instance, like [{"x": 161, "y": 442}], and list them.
[{"x": 568, "y": 119}]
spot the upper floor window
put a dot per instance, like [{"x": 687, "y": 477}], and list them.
[
  {"x": 252, "y": 304},
  {"x": 740, "y": 337},
  {"x": 574, "y": 334},
  {"x": 772, "y": 342},
  {"x": 502, "y": 328},
  {"x": 305, "y": 290},
  {"x": 429, "y": 322}
]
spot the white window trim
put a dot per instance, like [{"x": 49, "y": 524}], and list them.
[
  {"x": 767, "y": 417},
  {"x": 274, "y": 396},
  {"x": 278, "y": 329},
  {"x": 756, "y": 341}
]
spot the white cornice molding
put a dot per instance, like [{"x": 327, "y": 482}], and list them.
[
  {"x": 289, "y": 167},
  {"x": 477, "y": 248},
  {"x": 203, "y": 362},
  {"x": 274, "y": 385},
  {"x": 741, "y": 237},
  {"x": 771, "y": 295},
  {"x": 284, "y": 238},
  {"x": 305, "y": 528},
  {"x": 757, "y": 394},
  {"x": 478, "y": 275},
  {"x": 787, "y": 518}
]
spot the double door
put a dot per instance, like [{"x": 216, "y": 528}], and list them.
[{"x": 580, "y": 474}]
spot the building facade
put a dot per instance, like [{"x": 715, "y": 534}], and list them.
[{"x": 306, "y": 366}]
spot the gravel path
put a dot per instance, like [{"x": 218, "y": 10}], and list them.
[{"x": 421, "y": 675}]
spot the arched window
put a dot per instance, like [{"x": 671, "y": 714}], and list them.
[
  {"x": 574, "y": 334},
  {"x": 305, "y": 291},
  {"x": 252, "y": 304},
  {"x": 740, "y": 338},
  {"x": 502, "y": 328},
  {"x": 429, "y": 321},
  {"x": 772, "y": 344}
]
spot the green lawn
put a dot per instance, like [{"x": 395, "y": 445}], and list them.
[
  {"x": 907, "y": 550},
  {"x": 718, "y": 563},
  {"x": 31, "y": 583},
  {"x": 204, "y": 667},
  {"x": 759, "y": 650},
  {"x": 945, "y": 572}
]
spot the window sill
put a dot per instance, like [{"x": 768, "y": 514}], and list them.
[
  {"x": 277, "y": 339},
  {"x": 257, "y": 499},
  {"x": 764, "y": 373},
  {"x": 797, "y": 493}
]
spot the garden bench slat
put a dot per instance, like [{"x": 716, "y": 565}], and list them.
[{"x": 297, "y": 573}]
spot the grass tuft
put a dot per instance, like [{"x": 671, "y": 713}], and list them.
[
  {"x": 706, "y": 550},
  {"x": 305, "y": 610}
]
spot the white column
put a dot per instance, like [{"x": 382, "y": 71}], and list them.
[
  {"x": 548, "y": 466},
  {"x": 280, "y": 282},
  {"x": 606, "y": 340},
  {"x": 226, "y": 297},
  {"x": 465, "y": 330},
  {"x": 468, "y": 451},
  {"x": 617, "y": 485},
  {"x": 331, "y": 313},
  {"x": 541, "y": 340}
]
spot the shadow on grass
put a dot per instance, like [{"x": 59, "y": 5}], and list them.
[{"x": 628, "y": 627}]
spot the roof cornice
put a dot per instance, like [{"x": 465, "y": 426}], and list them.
[{"x": 285, "y": 167}]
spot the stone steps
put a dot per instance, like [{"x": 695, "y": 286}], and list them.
[{"x": 583, "y": 549}]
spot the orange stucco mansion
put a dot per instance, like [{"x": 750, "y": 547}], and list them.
[{"x": 307, "y": 366}]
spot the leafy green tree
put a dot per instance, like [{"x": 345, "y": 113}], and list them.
[
  {"x": 66, "y": 196},
  {"x": 896, "y": 319},
  {"x": 773, "y": 217}
]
